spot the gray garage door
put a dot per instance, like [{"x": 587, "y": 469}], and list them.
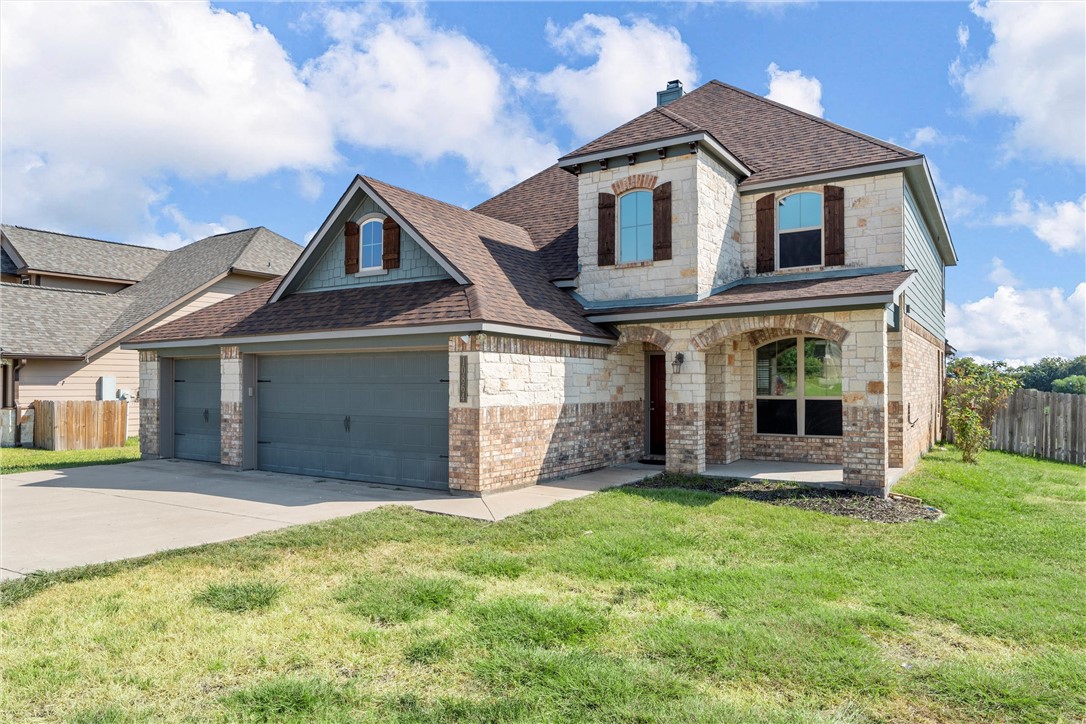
[
  {"x": 196, "y": 409},
  {"x": 381, "y": 418}
]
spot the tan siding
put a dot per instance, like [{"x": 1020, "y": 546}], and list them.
[
  {"x": 76, "y": 380},
  {"x": 219, "y": 291}
]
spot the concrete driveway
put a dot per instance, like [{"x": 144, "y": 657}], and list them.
[{"x": 60, "y": 518}]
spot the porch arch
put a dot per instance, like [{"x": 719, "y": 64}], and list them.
[
  {"x": 762, "y": 329},
  {"x": 641, "y": 333}
]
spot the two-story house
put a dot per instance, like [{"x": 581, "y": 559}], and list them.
[
  {"x": 721, "y": 278},
  {"x": 67, "y": 301}
]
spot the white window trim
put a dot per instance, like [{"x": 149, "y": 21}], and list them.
[
  {"x": 618, "y": 230},
  {"x": 370, "y": 271},
  {"x": 799, "y": 397},
  {"x": 777, "y": 234}
]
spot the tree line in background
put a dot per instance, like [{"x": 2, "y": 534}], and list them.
[{"x": 1054, "y": 374}]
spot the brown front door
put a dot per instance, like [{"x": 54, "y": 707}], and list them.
[{"x": 657, "y": 404}]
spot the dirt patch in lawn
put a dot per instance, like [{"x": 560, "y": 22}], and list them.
[{"x": 823, "y": 500}]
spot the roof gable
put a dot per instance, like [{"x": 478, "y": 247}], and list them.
[{"x": 79, "y": 256}]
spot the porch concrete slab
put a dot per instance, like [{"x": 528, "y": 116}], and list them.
[
  {"x": 61, "y": 518},
  {"x": 790, "y": 472}
]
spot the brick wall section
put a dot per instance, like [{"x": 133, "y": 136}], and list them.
[
  {"x": 149, "y": 404},
  {"x": 686, "y": 437},
  {"x": 230, "y": 405},
  {"x": 923, "y": 372},
  {"x": 785, "y": 448},
  {"x": 464, "y": 450},
  {"x": 894, "y": 407},
  {"x": 722, "y": 432}
]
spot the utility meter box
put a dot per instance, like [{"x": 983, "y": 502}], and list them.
[{"x": 107, "y": 388}]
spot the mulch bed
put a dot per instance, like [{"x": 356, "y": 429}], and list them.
[{"x": 822, "y": 500}]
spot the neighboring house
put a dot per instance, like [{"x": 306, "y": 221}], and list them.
[
  {"x": 721, "y": 278},
  {"x": 70, "y": 300}
]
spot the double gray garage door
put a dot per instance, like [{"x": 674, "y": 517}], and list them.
[{"x": 381, "y": 418}]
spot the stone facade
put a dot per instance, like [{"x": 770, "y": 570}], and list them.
[
  {"x": 873, "y": 221},
  {"x": 704, "y": 233},
  {"x": 150, "y": 373},
  {"x": 231, "y": 397}
]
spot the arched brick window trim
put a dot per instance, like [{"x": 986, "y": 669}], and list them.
[
  {"x": 645, "y": 334},
  {"x": 764, "y": 329},
  {"x": 636, "y": 181}
]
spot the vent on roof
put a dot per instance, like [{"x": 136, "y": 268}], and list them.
[{"x": 673, "y": 92}]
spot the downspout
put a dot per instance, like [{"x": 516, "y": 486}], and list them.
[{"x": 17, "y": 365}]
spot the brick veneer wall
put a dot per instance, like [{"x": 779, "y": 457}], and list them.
[
  {"x": 149, "y": 404},
  {"x": 785, "y": 448},
  {"x": 923, "y": 373},
  {"x": 722, "y": 432}
]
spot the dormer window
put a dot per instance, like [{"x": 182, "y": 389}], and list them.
[
  {"x": 372, "y": 235},
  {"x": 799, "y": 230},
  {"x": 635, "y": 226}
]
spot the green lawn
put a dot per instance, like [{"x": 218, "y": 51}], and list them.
[
  {"x": 22, "y": 459},
  {"x": 630, "y": 605}
]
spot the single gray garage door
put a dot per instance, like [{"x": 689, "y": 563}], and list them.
[
  {"x": 196, "y": 421},
  {"x": 380, "y": 418}
]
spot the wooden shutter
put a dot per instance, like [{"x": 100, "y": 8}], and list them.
[
  {"x": 765, "y": 227},
  {"x": 833, "y": 219},
  {"x": 661, "y": 222},
  {"x": 350, "y": 248},
  {"x": 607, "y": 230},
  {"x": 390, "y": 244}
]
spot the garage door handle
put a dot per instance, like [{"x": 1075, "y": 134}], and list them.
[
  {"x": 348, "y": 423},
  {"x": 206, "y": 418}
]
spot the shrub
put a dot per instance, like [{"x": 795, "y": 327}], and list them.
[
  {"x": 1075, "y": 385},
  {"x": 974, "y": 394}
]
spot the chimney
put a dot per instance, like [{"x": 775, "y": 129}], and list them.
[{"x": 673, "y": 92}]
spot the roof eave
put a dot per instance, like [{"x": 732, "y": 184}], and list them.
[
  {"x": 701, "y": 137},
  {"x": 853, "y": 301}
]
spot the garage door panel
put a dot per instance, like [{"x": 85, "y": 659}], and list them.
[
  {"x": 197, "y": 421},
  {"x": 398, "y": 409}
]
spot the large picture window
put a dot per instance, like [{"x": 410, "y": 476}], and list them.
[
  {"x": 798, "y": 387},
  {"x": 799, "y": 230},
  {"x": 635, "y": 226}
]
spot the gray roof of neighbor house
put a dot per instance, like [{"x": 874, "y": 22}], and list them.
[
  {"x": 44, "y": 322},
  {"x": 773, "y": 140},
  {"x": 80, "y": 256},
  {"x": 54, "y": 322}
]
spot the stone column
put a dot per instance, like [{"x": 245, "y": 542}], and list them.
[
  {"x": 230, "y": 406},
  {"x": 864, "y": 399},
  {"x": 686, "y": 410},
  {"x": 149, "y": 394},
  {"x": 464, "y": 416}
]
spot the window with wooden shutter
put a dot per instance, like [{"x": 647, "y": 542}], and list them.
[
  {"x": 606, "y": 251},
  {"x": 661, "y": 222},
  {"x": 833, "y": 212},
  {"x": 350, "y": 247},
  {"x": 390, "y": 259},
  {"x": 765, "y": 231}
]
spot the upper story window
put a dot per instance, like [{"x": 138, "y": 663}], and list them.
[
  {"x": 635, "y": 226},
  {"x": 799, "y": 230},
  {"x": 371, "y": 244},
  {"x": 798, "y": 387}
]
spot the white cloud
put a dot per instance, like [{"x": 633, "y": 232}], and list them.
[
  {"x": 1000, "y": 275},
  {"x": 958, "y": 202},
  {"x": 632, "y": 62},
  {"x": 1035, "y": 73},
  {"x": 1061, "y": 225},
  {"x": 188, "y": 230},
  {"x": 410, "y": 87},
  {"x": 963, "y": 36},
  {"x": 926, "y": 136},
  {"x": 794, "y": 89},
  {"x": 1020, "y": 325},
  {"x": 110, "y": 98}
]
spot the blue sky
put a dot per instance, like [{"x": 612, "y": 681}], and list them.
[{"x": 159, "y": 124}]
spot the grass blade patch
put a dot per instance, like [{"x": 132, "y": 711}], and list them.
[
  {"x": 398, "y": 600},
  {"x": 239, "y": 597},
  {"x": 530, "y": 622}
]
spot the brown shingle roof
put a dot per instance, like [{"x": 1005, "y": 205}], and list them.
[
  {"x": 509, "y": 280},
  {"x": 248, "y": 314},
  {"x": 776, "y": 141},
  {"x": 796, "y": 290},
  {"x": 544, "y": 205}
]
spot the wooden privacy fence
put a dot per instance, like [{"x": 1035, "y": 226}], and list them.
[
  {"x": 79, "y": 424},
  {"x": 1049, "y": 425}
]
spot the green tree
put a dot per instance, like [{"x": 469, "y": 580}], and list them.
[
  {"x": 1042, "y": 375},
  {"x": 975, "y": 392},
  {"x": 1075, "y": 384}
]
